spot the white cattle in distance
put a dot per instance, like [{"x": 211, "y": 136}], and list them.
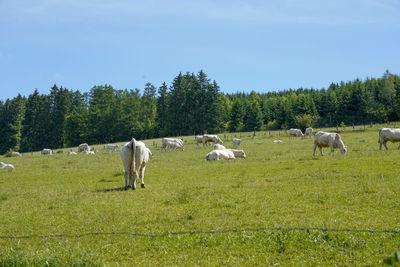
[
  {"x": 207, "y": 138},
  {"x": 236, "y": 142},
  {"x": 308, "y": 132},
  {"x": 6, "y": 167},
  {"x": 112, "y": 147},
  {"x": 72, "y": 153},
  {"x": 332, "y": 140},
  {"x": 15, "y": 154},
  {"x": 171, "y": 143},
  {"x": 219, "y": 147},
  {"x": 277, "y": 141},
  {"x": 388, "y": 134},
  {"x": 83, "y": 147},
  {"x": 47, "y": 151},
  {"x": 295, "y": 133},
  {"x": 198, "y": 139},
  {"x": 135, "y": 156},
  {"x": 238, "y": 153},
  {"x": 220, "y": 154}
]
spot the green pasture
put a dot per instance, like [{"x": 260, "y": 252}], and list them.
[{"x": 278, "y": 185}]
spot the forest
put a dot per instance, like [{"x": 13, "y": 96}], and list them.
[{"x": 191, "y": 104}]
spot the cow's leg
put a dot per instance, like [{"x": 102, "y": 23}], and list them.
[
  {"x": 315, "y": 147},
  {"x": 320, "y": 151},
  {"x": 135, "y": 176},
  {"x": 142, "y": 176},
  {"x": 126, "y": 176},
  {"x": 384, "y": 143}
]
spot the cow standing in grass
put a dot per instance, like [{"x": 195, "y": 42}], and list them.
[
  {"x": 47, "y": 151},
  {"x": 135, "y": 156},
  {"x": 198, "y": 139},
  {"x": 83, "y": 147},
  {"x": 171, "y": 143},
  {"x": 308, "y": 132},
  {"x": 207, "y": 138},
  {"x": 388, "y": 134},
  {"x": 236, "y": 142},
  {"x": 332, "y": 140},
  {"x": 295, "y": 133},
  {"x": 112, "y": 147}
]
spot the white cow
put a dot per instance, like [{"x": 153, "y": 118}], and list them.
[
  {"x": 112, "y": 147},
  {"x": 220, "y": 154},
  {"x": 277, "y": 141},
  {"x": 171, "y": 143},
  {"x": 15, "y": 154},
  {"x": 135, "y": 156},
  {"x": 198, "y": 139},
  {"x": 308, "y": 132},
  {"x": 6, "y": 167},
  {"x": 238, "y": 153},
  {"x": 236, "y": 142},
  {"x": 388, "y": 134},
  {"x": 207, "y": 138},
  {"x": 333, "y": 140},
  {"x": 72, "y": 153},
  {"x": 47, "y": 151},
  {"x": 219, "y": 147},
  {"x": 295, "y": 132},
  {"x": 83, "y": 147}
]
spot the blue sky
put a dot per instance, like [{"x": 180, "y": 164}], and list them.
[{"x": 243, "y": 45}]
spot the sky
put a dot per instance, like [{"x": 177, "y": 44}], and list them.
[{"x": 268, "y": 45}]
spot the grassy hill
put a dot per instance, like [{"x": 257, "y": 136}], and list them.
[{"x": 277, "y": 186}]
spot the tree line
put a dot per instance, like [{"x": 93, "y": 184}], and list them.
[{"x": 191, "y": 104}]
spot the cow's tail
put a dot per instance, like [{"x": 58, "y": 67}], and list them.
[{"x": 132, "y": 147}]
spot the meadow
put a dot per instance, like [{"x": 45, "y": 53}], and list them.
[{"x": 215, "y": 207}]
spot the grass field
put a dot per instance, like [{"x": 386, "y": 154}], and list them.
[{"x": 278, "y": 185}]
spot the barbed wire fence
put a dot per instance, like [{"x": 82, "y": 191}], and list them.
[{"x": 200, "y": 232}]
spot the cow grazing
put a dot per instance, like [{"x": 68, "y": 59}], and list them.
[
  {"x": 220, "y": 154},
  {"x": 295, "y": 133},
  {"x": 6, "y": 167},
  {"x": 219, "y": 147},
  {"x": 388, "y": 134},
  {"x": 112, "y": 147},
  {"x": 15, "y": 154},
  {"x": 236, "y": 142},
  {"x": 333, "y": 140},
  {"x": 308, "y": 132},
  {"x": 83, "y": 147},
  {"x": 238, "y": 153},
  {"x": 171, "y": 143},
  {"x": 198, "y": 139},
  {"x": 277, "y": 141},
  {"x": 135, "y": 156},
  {"x": 47, "y": 151},
  {"x": 207, "y": 138}
]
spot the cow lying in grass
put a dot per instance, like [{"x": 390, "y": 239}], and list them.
[{"x": 6, "y": 167}]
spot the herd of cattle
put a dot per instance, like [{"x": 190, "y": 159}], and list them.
[{"x": 135, "y": 155}]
